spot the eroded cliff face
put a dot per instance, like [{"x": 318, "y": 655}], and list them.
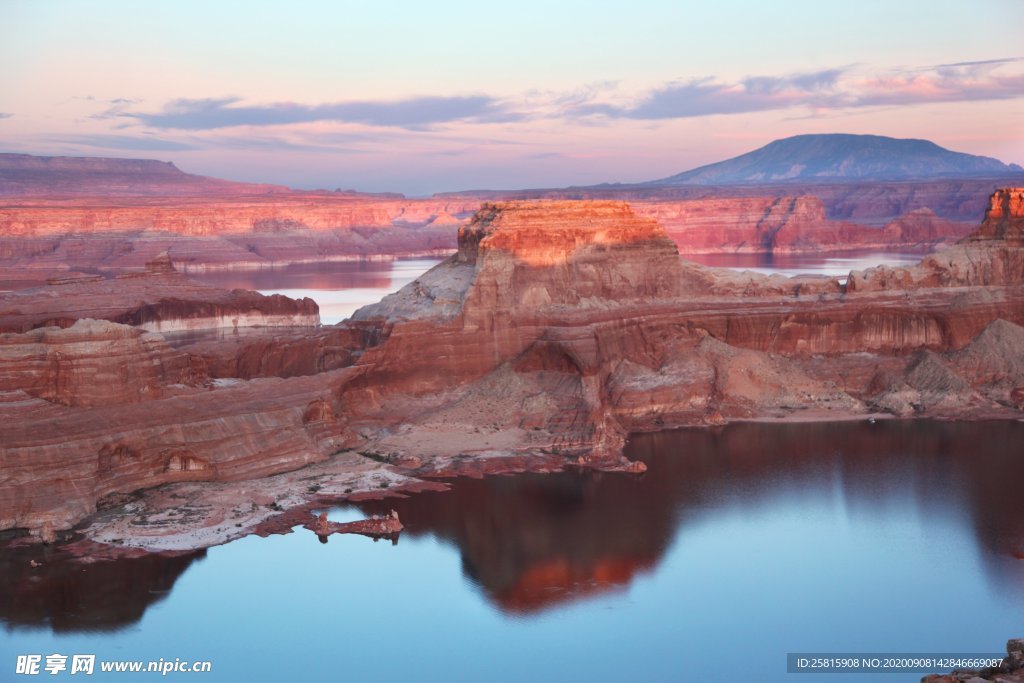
[
  {"x": 791, "y": 224},
  {"x": 993, "y": 255},
  {"x": 554, "y": 330},
  {"x": 48, "y": 237},
  {"x": 155, "y": 298},
  {"x": 589, "y": 354}
]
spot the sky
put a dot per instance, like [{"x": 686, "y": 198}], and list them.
[{"x": 421, "y": 97}]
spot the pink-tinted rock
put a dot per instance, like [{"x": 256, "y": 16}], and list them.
[
  {"x": 555, "y": 329},
  {"x": 155, "y": 298}
]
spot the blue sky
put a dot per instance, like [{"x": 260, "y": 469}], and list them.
[{"x": 424, "y": 97}]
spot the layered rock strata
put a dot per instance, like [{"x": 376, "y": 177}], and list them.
[
  {"x": 155, "y": 298},
  {"x": 556, "y": 329},
  {"x": 41, "y": 238}
]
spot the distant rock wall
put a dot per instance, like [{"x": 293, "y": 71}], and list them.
[
  {"x": 557, "y": 327},
  {"x": 43, "y": 238}
]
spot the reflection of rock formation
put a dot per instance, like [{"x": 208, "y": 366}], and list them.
[
  {"x": 537, "y": 541},
  {"x": 315, "y": 276},
  {"x": 534, "y": 542},
  {"x": 66, "y": 595},
  {"x": 971, "y": 468}
]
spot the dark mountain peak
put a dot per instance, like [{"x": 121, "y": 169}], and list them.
[{"x": 840, "y": 157}]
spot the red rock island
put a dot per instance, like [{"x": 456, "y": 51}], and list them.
[{"x": 556, "y": 329}]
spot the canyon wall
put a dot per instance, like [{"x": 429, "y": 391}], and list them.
[
  {"x": 155, "y": 298},
  {"x": 556, "y": 328},
  {"x": 46, "y": 237}
]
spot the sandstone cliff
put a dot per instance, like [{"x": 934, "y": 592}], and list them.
[
  {"x": 992, "y": 255},
  {"x": 42, "y": 238},
  {"x": 554, "y": 330},
  {"x": 155, "y": 298},
  {"x": 586, "y": 353}
]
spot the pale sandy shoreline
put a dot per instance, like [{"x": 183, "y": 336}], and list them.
[{"x": 191, "y": 516}]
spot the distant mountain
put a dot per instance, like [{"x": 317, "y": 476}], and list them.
[
  {"x": 30, "y": 175},
  {"x": 842, "y": 157}
]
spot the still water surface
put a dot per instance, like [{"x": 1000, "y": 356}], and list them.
[
  {"x": 339, "y": 288},
  {"x": 737, "y": 546}
]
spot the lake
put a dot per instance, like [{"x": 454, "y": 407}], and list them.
[
  {"x": 834, "y": 264},
  {"x": 340, "y": 288},
  {"x": 738, "y": 545}
]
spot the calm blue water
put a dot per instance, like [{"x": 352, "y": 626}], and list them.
[
  {"x": 737, "y": 546},
  {"x": 339, "y": 288}
]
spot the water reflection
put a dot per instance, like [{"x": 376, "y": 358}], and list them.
[
  {"x": 47, "y": 588},
  {"x": 326, "y": 275},
  {"x": 534, "y": 541},
  {"x": 531, "y": 541},
  {"x": 339, "y": 288},
  {"x": 891, "y": 492}
]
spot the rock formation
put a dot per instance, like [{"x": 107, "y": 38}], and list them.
[
  {"x": 376, "y": 526},
  {"x": 791, "y": 223},
  {"x": 556, "y": 328},
  {"x": 1011, "y": 670},
  {"x": 993, "y": 255},
  {"x": 42, "y": 238},
  {"x": 62, "y": 217},
  {"x": 155, "y": 298}
]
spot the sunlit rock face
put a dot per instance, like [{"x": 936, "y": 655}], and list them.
[
  {"x": 1004, "y": 218},
  {"x": 61, "y": 216},
  {"x": 557, "y": 328},
  {"x": 991, "y": 256}
]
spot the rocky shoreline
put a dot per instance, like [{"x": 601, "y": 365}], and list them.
[
  {"x": 1010, "y": 671},
  {"x": 558, "y": 328}
]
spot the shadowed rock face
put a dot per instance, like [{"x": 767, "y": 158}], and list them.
[
  {"x": 535, "y": 542},
  {"x": 557, "y": 326},
  {"x": 71, "y": 597}
]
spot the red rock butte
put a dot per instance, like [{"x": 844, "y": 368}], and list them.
[
  {"x": 1004, "y": 218},
  {"x": 558, "y": 327}
]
